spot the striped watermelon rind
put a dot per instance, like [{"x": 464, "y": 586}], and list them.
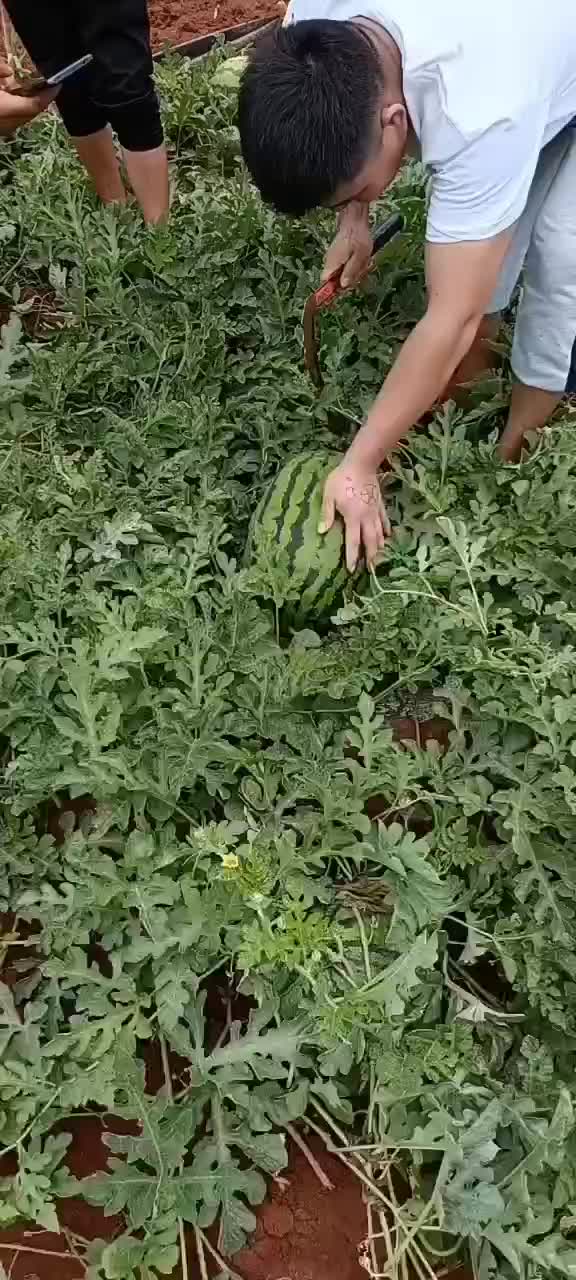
[{"x": 287, "y": 520}]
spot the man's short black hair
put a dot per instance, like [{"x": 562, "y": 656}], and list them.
[{"x": 306, "y": 111}]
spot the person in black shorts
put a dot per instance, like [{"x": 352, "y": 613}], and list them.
[{"x": 115, "y": 94}]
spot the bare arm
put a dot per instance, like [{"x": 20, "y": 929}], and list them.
[
  {"x": 15, "y": 109},
  {"x": 461, "y": 279}
]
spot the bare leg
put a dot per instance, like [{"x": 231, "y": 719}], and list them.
[
  {"x": 478, "y": 361},
  {"x": 530, "y": 409},
  {"x": 97, "y": 153},
  {"x": 148, "y": 175}
]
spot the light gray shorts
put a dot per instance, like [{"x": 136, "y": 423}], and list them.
[{"x": 543, "y": 253}]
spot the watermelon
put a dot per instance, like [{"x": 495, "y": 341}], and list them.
[
  {"x": 287, "y": 519},
  {"x": 229, "y": 74}
]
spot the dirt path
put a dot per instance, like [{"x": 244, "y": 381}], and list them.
[{"x": 179, "y": 20}]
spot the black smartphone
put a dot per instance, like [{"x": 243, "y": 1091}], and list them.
[{"x": 28, "y": 88}]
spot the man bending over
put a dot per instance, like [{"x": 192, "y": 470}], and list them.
[{"x": 330, "y": 105}]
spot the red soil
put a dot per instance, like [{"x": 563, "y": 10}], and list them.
[
  {"x": 38, "y": 1255},
  {"x": 176, "y": 21},
  {"x": 303, "y": 1233},
  {"x": 406, "y": 729}
]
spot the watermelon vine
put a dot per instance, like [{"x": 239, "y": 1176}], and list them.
[{"x": 200, "y": 795}]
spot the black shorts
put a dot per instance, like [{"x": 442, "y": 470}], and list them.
[{"x": 117, "y": 89}]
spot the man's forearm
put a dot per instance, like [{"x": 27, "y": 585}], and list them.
[{"x": 424, "y": 366}]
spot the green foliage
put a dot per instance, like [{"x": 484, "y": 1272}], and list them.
[{"x": 413, "y": 978}]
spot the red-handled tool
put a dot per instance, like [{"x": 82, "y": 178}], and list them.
[{"x": 328, "y": 292}]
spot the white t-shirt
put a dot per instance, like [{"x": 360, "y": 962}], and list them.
[{"x": 487, "y": 84}]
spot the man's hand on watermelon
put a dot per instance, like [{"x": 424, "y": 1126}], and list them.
[
  {"x": 354, "y": 493},
  {"x": 461, "y": 279}
]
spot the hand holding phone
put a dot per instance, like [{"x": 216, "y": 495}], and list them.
[
  {"x": 34, "y": 85},
  {"x": 21, "y": 102},
  {"x": 17, "y": 111}
]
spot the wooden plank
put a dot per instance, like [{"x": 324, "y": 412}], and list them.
[{"x": 234, "y": 37}]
